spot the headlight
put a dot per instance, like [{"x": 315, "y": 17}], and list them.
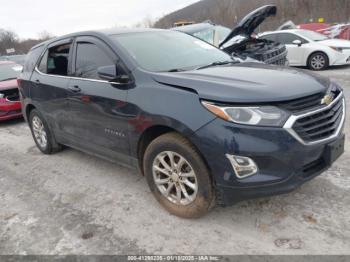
[
  {"x": 257, "y": 116},
  {"x": 338, "y": 49},
  {"x": 2, "y": 95}
]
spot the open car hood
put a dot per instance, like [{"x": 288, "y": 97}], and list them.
[{"x": 250, "y": 22}]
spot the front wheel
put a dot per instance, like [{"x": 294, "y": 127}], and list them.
[
  {"x": 318, "y": 61},
  {"x": 178, "y": 177}
]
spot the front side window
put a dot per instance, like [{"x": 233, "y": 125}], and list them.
[
  {"x": 89, "y": 58},
  {"x": 55, "y": 60},
  {"x": 287, "y": 39},
  {"x": 162, "y": 51},
  {"x": 271, "y": 37}
]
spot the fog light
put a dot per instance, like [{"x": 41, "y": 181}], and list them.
[{"x": 243, "y": 166}]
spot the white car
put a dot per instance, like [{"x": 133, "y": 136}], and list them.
[{"x": 311, "y": 49}]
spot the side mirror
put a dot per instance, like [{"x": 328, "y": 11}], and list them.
[
  {"x": 109, "y": 73},
  {"x": 297, "y": 42}
]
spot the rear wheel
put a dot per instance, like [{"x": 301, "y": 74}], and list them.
[
  {"x": 41, "y": 133},
  {"x": 178, "y": 177},
  {"x": 318, "y": 61}
]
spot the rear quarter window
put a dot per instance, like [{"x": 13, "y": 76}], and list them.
[{"x": 32, "y": 59}]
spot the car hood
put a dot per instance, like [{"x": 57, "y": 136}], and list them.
[
  {"x": 250, "y": 22},
  {"x": 247, "y": 83},
  {"x": 336, "y": 43},
  {"x": 8, "y": 84}
]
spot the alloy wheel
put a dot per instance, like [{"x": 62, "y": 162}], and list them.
[
  {"x": 175, "y": 178},
  {"x": 39, "y": 132}
]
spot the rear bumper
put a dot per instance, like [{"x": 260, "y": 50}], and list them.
[{"x": 10, "y": 110}]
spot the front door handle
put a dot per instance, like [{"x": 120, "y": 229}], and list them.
[{"x": 75, "y": 89}]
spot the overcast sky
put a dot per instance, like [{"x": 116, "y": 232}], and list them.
[{"x": 30, "y": 17}]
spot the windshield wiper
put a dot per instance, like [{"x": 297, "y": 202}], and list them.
[
  {"x": 219, "y": 63},
  {"x": 176, "y": 70}
]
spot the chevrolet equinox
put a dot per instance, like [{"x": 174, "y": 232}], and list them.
[{"x": 203, "y": 128}]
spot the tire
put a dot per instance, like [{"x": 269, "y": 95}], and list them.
[
  {"x": 37, "y": 122},
  {"x": 318, "y": 61},
  {"x": 197, "y": 185}
]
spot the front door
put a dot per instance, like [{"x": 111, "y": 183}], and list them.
[
  {"x": 295, "y": 52},
  {"x": 97, "y": 107}
]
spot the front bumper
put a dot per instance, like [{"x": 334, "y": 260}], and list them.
[
  {"x": 10, "y": 110},
  {"x": 283, "y": 162},
  {"x": 341, "y": 58}
]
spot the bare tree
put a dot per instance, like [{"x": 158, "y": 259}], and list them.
[{"x": 8, "y": 39}]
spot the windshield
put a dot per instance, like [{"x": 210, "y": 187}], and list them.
[
  {"x": 9, "y": 71},
  {"x": 168, "y": 50},
  {"x": 206, "y": 35},
  {"x": 223, "y": 32},
  {"x": 312, "y": 35}
]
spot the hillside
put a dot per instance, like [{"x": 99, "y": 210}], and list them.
[{"x": 228, "y": 12}]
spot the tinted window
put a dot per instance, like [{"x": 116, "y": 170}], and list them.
[
  {"x": 89, "y": 58},
  {"x": 169, "y": 50},
  {"x": 269, "y": 37},
  {"x": 55, "y": 60},
  {"x": 288, "y": 39}
]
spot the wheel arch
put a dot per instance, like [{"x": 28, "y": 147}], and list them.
[
  {"x": 154, "y": 132},
  {"x": 29, "y": 109},
  {"x": 318, "y": 51}
]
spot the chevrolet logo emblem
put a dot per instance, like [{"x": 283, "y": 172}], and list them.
[{"x": 327, "y": 100}]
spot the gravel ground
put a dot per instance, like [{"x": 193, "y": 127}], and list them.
[{"x": 73, "y": 203}]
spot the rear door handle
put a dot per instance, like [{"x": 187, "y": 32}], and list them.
[{"x": 75, "y": 89}]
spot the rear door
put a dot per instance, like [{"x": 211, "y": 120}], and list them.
[
  {"x": 50, "y": 85},
  {"x": 97, "y": 107}
]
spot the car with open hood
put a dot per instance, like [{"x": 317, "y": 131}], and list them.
[
  {"x": 241, "y": 40},
  {"x": 202, "y": 128},
  {"x": 10, "y": 105},
  {"x": 311, "y": 49}
]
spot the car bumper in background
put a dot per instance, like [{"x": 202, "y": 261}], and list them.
[
  {"x": 342, "y": 58},
  {"x": 10, "y": 110}
]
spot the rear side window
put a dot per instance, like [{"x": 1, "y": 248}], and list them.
[
  {"x": 55, "y": 60},
  {"x": 89, "y": 58},
  {"x": 32, "y": 59}
]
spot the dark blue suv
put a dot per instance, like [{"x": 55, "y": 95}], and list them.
[{"x": 203, "y": 128}]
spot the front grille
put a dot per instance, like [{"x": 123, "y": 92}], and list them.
[
  {"x": 300, "y": 105},
  {"x": 321, "y": 124}
]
